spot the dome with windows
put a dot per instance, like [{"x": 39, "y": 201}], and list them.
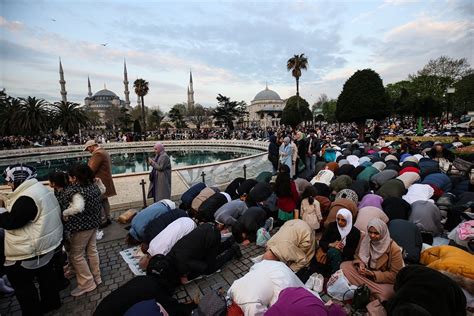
[
  {"x": 267, "y": 94},
  {"x": 105, "y": 93}
]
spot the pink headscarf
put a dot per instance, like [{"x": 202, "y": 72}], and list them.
[
  {"x": 159, "y": 146},
  {"x": 373, "y": 250}
]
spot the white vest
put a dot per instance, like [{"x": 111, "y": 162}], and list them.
[{"x": 41, "y": 235}]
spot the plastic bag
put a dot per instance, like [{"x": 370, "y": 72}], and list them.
[
  {"x": 315, "y": 283},
  {"x": 338, "y": 287},
  {"x": 262, "y": 237}
]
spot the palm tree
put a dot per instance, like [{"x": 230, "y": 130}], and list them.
[
  {"x": 296, "y": 64},
  {"x": 141, "y": 89},
  {"x": 9, "y": 109},
  {"x": 69, "y": 116},
  {"x": 34, "y": 116}
]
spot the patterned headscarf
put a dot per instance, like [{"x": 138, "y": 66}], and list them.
[{"x": 19, "y": 173}]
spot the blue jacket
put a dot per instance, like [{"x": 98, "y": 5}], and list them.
[
  {"x": 141, "y": 220},
  {"x": 440, "y": 180}
]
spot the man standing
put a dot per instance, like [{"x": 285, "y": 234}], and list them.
[
  {"x": 101, "y": 165},
  {"x": 160, "y": 175},
  {"x": 33, "y": 230}
]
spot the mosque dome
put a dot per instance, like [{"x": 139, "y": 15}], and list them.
[
  {"x": 105, "y": 93},
  {"x": 266, "y": 95}
]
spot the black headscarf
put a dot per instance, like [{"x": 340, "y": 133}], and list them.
[
  {"x": 361, "y": 187},
  {"x": 396, "y": 208},
  {"x": 424, "y": 289}
]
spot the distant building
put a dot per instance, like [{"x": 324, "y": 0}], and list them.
[
  {"x": 102, "y": 99},
  {"x": 265, "y": 109},
  {"x": 190, "y": 91}
]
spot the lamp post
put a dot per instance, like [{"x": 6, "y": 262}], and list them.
[{"x": 449, "y": 92}]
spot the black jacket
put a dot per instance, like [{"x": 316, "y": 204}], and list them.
[{"x": 331, "y": 234}]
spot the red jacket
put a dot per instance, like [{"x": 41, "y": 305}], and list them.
[{"x": 288, "y": 203}]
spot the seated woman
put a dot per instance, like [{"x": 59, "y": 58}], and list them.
[
  {"x": 421, "y": 290},
  {"x": 377, "y": 261},
  {"x": 338, "y": 243},
  {"x": 293, "y": 244}
]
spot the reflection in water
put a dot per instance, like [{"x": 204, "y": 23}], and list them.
[{"x": 134, "y": 162}]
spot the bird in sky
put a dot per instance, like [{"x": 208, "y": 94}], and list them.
[
  {"x": 105, "y": 44},
  {"x": 54, "y": 20}
]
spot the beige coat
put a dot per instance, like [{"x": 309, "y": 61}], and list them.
[
  {"x": 311, "y": 214},
  {"x": 101, "y": 166},
  {"x": 294, "y": 244},
  {"x": 387, "y": 265}
]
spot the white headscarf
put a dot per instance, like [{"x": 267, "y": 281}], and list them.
[
  {"x": 353, "y": 160},
  {"x": 344, "y": 231}
]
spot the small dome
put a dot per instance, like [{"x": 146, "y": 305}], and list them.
[
  {"x": 267, "y": 94},
  {"x": 104, "y": 93}
]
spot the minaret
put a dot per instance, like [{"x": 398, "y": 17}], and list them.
[
  {"x": 89, "y": 87},
  {"x": 190, "y": 91},
  {"x": 125, "y": 82},
  {"x": 62, "y": 81}
]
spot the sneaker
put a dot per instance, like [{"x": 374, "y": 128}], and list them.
[
  {"x": 78, "y": 291},
  {"x": 269, "y": 224},
  {"x": 237, "y": 252}
]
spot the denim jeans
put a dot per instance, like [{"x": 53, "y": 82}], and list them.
[{"x": 311, "y": 163}]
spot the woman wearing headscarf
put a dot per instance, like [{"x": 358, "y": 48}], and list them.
[
  {"x": 360, "y": 187},
  {"x": 340, "y": 183},
  {"x": 160, "y": 175},
  {"x": 377, "y": 261},
  {"x": 408, "y": 236},
  {"x": 273, "y": 152},
  {"x": 339, "y": 243},
  {"x": 299, "y": 301},
  {"x": 383, "y": 176},
  {"x": 396, "y": 208},
  {"x": 371, "y": 200},
  {"x": 336, "y": 206},
  {"x": 419, "y": 192},
  {"x": 367, "y": 213},
  {"x": 412, "y": 296},
  {"x": 427, "y": 216},
  {"x": 286, "y": 152},
  {"x": 392, "y": 188}
]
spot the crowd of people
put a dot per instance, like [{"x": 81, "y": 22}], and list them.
[{"x": 370, "y": 212}]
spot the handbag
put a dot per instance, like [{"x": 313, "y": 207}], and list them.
[
  {"x": 321, "y": 256},
  {"x": 361, "y": 298}
]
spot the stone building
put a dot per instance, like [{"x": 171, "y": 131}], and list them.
[{"x": 265, "y": 109}]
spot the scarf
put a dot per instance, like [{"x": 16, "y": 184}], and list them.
[
  {"x": 370, "y": 251},
  {"x": 344, "y": 231}
]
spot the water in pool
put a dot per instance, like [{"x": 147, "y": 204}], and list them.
[{"x": 135, "y": 162}]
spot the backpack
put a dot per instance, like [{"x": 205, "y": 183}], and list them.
[{"x": 212, "y": 304}]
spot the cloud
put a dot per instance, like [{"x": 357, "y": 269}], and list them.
[
  {"x": 10, "y": 51},
  {"x": 13, "y": 26}
]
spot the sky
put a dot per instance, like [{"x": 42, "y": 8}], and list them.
[{"x": 233, "y": 48}]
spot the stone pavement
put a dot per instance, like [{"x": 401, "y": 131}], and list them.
[{"x": 115, "y": 272}]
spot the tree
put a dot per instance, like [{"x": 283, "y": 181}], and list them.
[
  {"x": 137, "y": 129},
  {"x": 34, "y": 116},
  {"x": 9, "y": 110},
  {"x": 198, "y": 115},
  {"x": 294, "y": 114},
  {"x": 141, "y": 89},
  {"x": 329, "y": 110},
  {"x": 363, "y": 97},
  {"x": 445, "y": 67},
  {"x": 125, "y": 118},
  {"x": 296, "y": 64},
  {"x": 177, "y": 117},
  {"x": 227, "y": 111},
  {"x": 69, "y": 117},
  {"x": 112, "y": 117},
  {"x": 93, "y": 118},
  {"x": 464, "y": 94},
  {"x": 155, "y": 118}
]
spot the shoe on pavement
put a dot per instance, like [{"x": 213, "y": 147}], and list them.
[
  {"x": 237, "y": 252},
  {"x": 78, "y": 291}
]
